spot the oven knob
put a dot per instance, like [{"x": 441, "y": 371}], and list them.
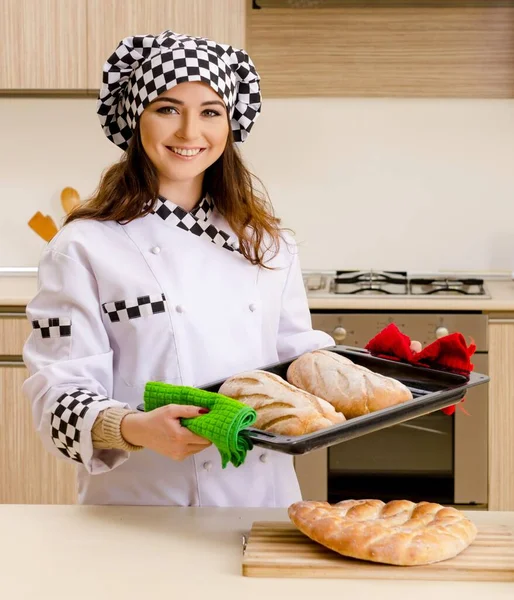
[
  {"x": 339, "y": 334},
  {"x": 441, "y": 332}
]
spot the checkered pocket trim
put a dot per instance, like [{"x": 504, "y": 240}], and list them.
[
  {"x": 67, "y": 418},
  {"x": 143, "y": 306},
  {"x": 52, "y": 328}
]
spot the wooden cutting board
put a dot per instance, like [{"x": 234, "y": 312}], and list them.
[{"x": 280, "y": 550}]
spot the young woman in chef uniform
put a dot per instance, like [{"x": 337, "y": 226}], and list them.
[{"x": 175, "y": 270}]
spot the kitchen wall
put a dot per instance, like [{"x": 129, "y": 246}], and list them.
[{"x": 421, "y": 185}]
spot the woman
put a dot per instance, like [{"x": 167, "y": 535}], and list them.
[{"x": 176, "y": 270}]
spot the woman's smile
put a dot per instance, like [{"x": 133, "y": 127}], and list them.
[{"x": 183, "y": 153}]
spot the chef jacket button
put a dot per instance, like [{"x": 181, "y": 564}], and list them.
[
  {"x": 179, "y": 308},
  {"x": 263, "y": 458},
  {"x": 253, "y": 307},
  {"x": 207, "y": 465},
  {"x": 155, "y": 250}
]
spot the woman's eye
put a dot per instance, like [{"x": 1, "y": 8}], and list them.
[
  {"x": 167, "y": 110},
  {"x": 211, "y": 113}
]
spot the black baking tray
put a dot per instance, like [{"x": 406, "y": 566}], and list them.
[{"x": 432, "y": 390}]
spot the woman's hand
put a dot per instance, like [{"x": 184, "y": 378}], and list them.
[{"x": 160, "y": 430}]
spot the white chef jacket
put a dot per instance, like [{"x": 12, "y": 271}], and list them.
[{"x": 167, "y": 297}]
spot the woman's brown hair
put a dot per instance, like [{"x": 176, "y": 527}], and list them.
[{"x": 129, "y": 189}]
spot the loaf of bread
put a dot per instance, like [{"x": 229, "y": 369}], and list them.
[
  {"x": 397, "y": 533},
  {"x": 352, "y": 389},
  {"x": 281, "y": 408}
]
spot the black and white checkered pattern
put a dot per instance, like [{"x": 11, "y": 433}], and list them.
[
  {"x": 202, "y": 212},
  {"x": 67, "y": 418},
  {"x": 144, "y": 66},
  {"x": 52, "y": 328},
  {"x": 197, "y": 221},
  {"x": 143, "y": 306}
]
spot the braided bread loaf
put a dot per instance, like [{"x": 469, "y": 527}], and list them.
[
  {"x": 397, "y": 533},
  {"x": 352, "y": 389},
  {"x": 281, "y": 408}
]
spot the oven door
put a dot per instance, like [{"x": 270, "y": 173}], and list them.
[
  {"x": 412, "y": 461},
  {"x": 471, "y": 431},
  {"x": 437, "y": 458}
]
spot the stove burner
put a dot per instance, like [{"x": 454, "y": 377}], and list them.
[
  {"x": 370, "y": 276},
  {"x": 466, "y": 287},
  {"x": 370, "y": 288},
  {"x": 360, "y": 282},
  {"x": 391, "y": 283}
]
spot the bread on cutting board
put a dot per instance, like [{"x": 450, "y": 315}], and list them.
[
  {"x": 352, "y": 389},
  {"x": 281, "y": 408},
  {"x": 400, "y": 532}
]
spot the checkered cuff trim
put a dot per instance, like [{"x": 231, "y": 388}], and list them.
[
  {"x": 67, "y": 418},
  {"x": 142, "y": 306},
  {"x": 52, "y": 328}
]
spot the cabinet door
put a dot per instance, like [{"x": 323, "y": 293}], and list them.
[
  {"x": 14, "y": 330},
  {"x": 384, "y": 49},
  {"x": 29, "y": 474},
  {"x": 110, "y": 22},
  {"x": 43, "y": 45},
  {"x": 501, "y": 414}
]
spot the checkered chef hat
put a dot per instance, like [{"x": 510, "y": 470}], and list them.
[{"x": 144, "y": 66}]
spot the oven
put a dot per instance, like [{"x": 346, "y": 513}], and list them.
[{"x": 437, "y": 457}]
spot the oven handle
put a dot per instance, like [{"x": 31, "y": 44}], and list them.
[{"x": 427, "y": 429}]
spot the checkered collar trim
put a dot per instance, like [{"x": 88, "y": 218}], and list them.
[
  {"x": 198, "y": 221},
  {"x": 201, "y": 212}
]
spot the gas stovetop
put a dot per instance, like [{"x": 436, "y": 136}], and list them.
[{"x": 392, "y": 283}]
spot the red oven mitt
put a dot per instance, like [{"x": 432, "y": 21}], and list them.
[{"x": 449, "y": 353}]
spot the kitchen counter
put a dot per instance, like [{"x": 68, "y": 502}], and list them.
[
  {"x": 501, "y": 300},
  {"x": 110, "y": 552},
  {"x": 17, "y": 292}
]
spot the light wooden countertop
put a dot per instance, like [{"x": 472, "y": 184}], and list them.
[
  {"x": 114, "y": 552},
  {"x": 17, "y": 292}
]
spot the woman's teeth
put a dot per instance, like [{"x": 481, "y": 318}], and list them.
[{"x": 186, "y": 152}]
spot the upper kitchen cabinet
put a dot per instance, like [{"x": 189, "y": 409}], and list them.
[
  {"x": 43, "y": 45},
  {"x": 109, "y": 22},
  {"x": 375, "y": 48}
]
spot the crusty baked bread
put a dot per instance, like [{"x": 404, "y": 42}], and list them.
[
  {"x": 397, "y": 533},
  {"x": 281, "y": 408},
  {"x": 352, "y": 389}
]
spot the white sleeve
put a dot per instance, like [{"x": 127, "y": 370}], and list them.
[
  {"x": 296, "y": 335},
  {"x": 70, "y": 363}
]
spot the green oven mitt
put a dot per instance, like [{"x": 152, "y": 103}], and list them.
[{"x": 222, "y": 425}]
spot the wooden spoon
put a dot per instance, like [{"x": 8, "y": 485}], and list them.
[
  {"x": 70, "y": 199},
  {"x": 43, "y": 225}
]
